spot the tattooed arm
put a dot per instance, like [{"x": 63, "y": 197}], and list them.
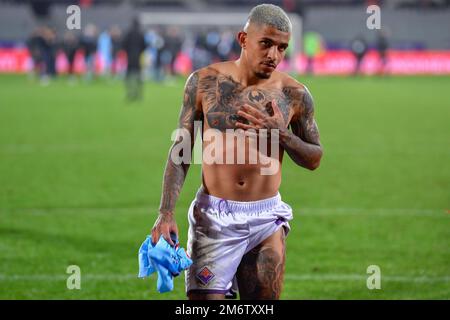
[
  {"x": 175, "y": 172},
  {"x": 302, "y": 144}
]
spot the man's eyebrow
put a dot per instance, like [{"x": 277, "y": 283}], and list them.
[
  {"x": 273, "y": 41},
  {"x": 269, "y": 39}
]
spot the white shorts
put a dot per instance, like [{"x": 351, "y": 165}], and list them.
[{"x": 221, "y": 232}]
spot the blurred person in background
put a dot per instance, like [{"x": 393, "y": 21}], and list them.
[
  {"x": 359, "y": 49},
  {"x": 228, "y": 48},
  {"x": 116, "y": 43},
  {"x": 312, "y": 44},
  {"x": 35, "y": 46},
  {"x": 134, "y": 45},
  {"x": 174, "y": 42},
  {"x": 70, "y": 46},
  {"x": 225, "y": 45},
  {"x": 168, "y": 53},
  {"x": 212, "y": 43},
  {"x": 201, "y": 56},
  {"x": 155, "y": 45},
  {"x": 89, "y": 46},
  {"x": 382, "y": 47},
  {"x": 150, "y": 53},
  {"x": 49, "y": 54},
  {"x": 104, "y": 51}
]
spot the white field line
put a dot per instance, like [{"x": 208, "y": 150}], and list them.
[
  {"x": 13, "y": 149},
  {"x": 372, "y": 211},
  {"x": 357, "y": 277},
  {"x": 290, "y": 277}
]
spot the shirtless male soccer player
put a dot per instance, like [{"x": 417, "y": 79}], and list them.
[{"x": 235, "y": 222}]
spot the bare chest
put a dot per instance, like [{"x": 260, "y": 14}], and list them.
[{"x": 222, "y": 98}]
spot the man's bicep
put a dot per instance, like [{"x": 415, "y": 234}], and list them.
[
  {"x": 305, "y": 126},
  {"x": 190, "y": 113},
  {"x": 190, "y": 110}
]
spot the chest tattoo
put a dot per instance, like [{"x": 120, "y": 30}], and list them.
[{"x": 223, "y": 97}]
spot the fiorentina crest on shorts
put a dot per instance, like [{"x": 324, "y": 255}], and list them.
[{"x": 205, "y": 275}]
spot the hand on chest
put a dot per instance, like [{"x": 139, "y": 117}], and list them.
[{"x": 223, "y": 103}]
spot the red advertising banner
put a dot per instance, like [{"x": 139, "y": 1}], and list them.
[
  {"x": 397, "y": 62},
  {"x": 336, "y": 62},
  {"x": 15, "y": 60}
]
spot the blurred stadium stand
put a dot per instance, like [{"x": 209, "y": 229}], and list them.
[
  {"x": 413, "y": 24},
  {"x": 410, "y": 24}
]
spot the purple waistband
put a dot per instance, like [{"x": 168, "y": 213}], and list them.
[{"x": 222, "y": 205}]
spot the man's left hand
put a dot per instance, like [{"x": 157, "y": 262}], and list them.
[{"x": 259, "y": 120}]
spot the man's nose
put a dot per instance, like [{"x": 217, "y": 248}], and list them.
[{"x": 272, "y": 54}]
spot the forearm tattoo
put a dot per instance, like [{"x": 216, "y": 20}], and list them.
[{"x": 175, "y": 174}]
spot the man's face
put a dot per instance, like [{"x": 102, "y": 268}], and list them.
[{"x": 265, "y": 47}]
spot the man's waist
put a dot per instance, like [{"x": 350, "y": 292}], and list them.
[{"x": 207, "y": 200}]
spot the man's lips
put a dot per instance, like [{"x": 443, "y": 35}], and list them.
[{"x": 269, "y": 65}]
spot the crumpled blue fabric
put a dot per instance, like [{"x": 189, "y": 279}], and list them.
[{"x": 164, "y": 259}]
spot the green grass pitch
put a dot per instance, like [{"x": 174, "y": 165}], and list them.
[{"x": 80, "y": 183}]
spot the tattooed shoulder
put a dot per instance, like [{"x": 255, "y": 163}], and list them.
[
  {"x": 301, "y": 100},
  {"x": 303, "y": 123},
  {"x": 190, "y": 108},
  {"x": 190, "y": 89}
]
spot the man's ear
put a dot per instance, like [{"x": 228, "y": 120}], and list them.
[{"x": 242, "y": 38}]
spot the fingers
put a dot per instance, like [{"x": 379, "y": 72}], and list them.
[
  {"x": 249, "y": 117},
  {"x": 173, "y": 230},
  {"x": 276, "y": 109},
  {"x": 164, "y": 231},
  {"x": 253, "y": 111},
  {"x": 246, "y": 126},
  {"x": 166, "y": 236},
  {"x": 155, "y": 236},
  {"x": 253, "y": 115}
]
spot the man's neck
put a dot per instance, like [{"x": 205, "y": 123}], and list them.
[{"x": 244, "y": 74}]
